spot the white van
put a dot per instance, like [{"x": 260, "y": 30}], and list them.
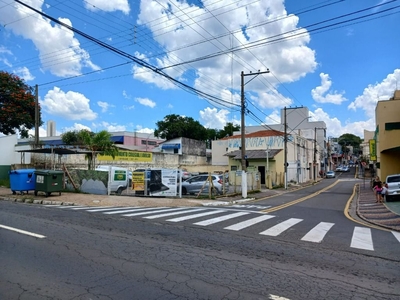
[{"x": 118, "y": 178}]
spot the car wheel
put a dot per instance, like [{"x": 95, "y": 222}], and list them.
[
  {"x": 184, "y": 191},
  {"x": 119, "y": 191}
]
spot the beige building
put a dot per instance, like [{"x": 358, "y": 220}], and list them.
[
  {"x": 264, "y": 150},
  {"x": 387, "y": 136}
]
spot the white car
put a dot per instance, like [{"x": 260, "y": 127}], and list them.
[{"x": 393, "y": 183}]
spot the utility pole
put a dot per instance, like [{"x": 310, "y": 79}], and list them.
[
  {"x": 285, "y": 146},
  {"x": 315, "y": 154},
  {"x": 36, "y": 116},
  {"x": 243, "y": 108}
]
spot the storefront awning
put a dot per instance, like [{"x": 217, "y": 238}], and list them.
[{"x": 170, "y": 146}]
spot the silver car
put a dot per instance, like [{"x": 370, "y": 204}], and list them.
[
  {"x": 198, "y": 183},
  {"x": 330, "y": 174}
]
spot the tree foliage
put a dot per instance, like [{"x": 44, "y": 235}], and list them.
[
  {"x": 228, "y": 130},
  {"x": 349, "y": 140},
  {"x": 174, "y": 126},
  {"x": 17, "y": 105},
  {"x": 94, "y": 142}
]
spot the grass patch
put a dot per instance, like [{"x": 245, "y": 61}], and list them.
[{"x": 5, "y": 183}]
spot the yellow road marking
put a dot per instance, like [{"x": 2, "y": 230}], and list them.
[
  {"x": 299, "y": 200},
  {"x": 348, "y": 216}
]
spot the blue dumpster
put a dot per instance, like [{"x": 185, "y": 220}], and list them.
[{"x": 22, "y": 180}]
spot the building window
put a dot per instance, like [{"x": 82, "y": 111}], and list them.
[{"x": 392, "y": 126}]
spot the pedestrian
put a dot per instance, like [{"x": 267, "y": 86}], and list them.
[
  {"x": 374, "y": 182},
  {"x": 384, "y": 191},
  {"x": 378, "y": 192}
]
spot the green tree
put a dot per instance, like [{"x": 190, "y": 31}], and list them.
[
  {"x": 349, "y": 139},
  {"x": 174, "y": 126},
  {"x": 94, "y": 142},
  {"x": 17, "y": 105},
  {"x": 228, "y": 130}
]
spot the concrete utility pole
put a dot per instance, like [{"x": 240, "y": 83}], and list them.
[
  {"x": 285, "y": 146},
  {"x": 243, "y": 107},
  {"x": 36, "y": 116},
  {"x": 315, "y": 154}
]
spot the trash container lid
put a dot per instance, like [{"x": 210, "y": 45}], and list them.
[
  {"x": 46, "y": 172},
  {"x": 22, "y": 171}
]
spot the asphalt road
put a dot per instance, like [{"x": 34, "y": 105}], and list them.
[{"x": 102, "y": 255}]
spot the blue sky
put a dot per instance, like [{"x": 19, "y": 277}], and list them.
[{"x": 338, "y": 58}]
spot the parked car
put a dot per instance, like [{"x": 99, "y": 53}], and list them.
[
  {"x": 330, "y": 174},
  {"x": 339, "y": 168},
  {"x": 345, "y": 169},
  {"x": 393, "y": 182},
  {"x": 194, "y": 184}
]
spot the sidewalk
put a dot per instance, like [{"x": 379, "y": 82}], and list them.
[{"x": 386, "y": 215}]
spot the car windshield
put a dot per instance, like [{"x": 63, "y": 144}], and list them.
[{"x": 393, "y": 179}]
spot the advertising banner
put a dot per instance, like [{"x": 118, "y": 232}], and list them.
[
  {"x": 138, "y": 181},
  {"x": 128, "y": 156},
  {"x": 162, "y": 182},
  {"x": 372, "y": 150}
]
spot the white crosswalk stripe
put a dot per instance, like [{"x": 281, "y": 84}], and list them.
[
  {"x": 173, "y": 213},
  {"x": 318, "y": 233},
  {"x": 361, "y": 236},
  {"x": 124, "y": 211},
  {"x": 248, "y": 223},
  {"x": 220, "y": 219},
  {"x": 195, "y": 216},
  {"x": 110, "y": 208},
  {"x": 396, "y": 235},
  {"x": 362, "y": 239},
  {"x": 152, "y": 212},
  {"x": 281, "y": 227}
]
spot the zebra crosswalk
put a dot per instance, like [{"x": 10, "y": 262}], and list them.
[{"x": 361, "y": 236}]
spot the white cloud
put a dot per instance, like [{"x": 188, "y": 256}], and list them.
[
  {"x": 125, "y": 95},
  {"x": 147, "y": 76},
  {"x": 271, "y": 100},
  {"x": 145, "y": 130},
  {"x": 76, "y": 127},
  {"x": 24, "y": 73},
  {"x": 104, "y": 106},
  {"x": 42, "y": 132},
  {"x": 216, "y": 119},
  {"x": 110, "y": 127},
  {"x": 379, "y": 91},
  {"x": 273, "y": 118},
  {"x": 335, "y": 127},
  {"x": 331, "y": 97},
  {"x": 59, "y": 51},
  {"x": 108, "y": 5},
  {"x": 146, "y": 102},
  {"x": 68, "y": 105},
  {"x": 186, "y": 37}
]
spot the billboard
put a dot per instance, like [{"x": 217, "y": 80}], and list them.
[{"x": 156, "y": 182}]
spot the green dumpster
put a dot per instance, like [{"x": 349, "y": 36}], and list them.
[{"x": 49, "y": 181}]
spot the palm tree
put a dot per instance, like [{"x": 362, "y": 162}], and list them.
[{"x": 94, "y": 142}]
